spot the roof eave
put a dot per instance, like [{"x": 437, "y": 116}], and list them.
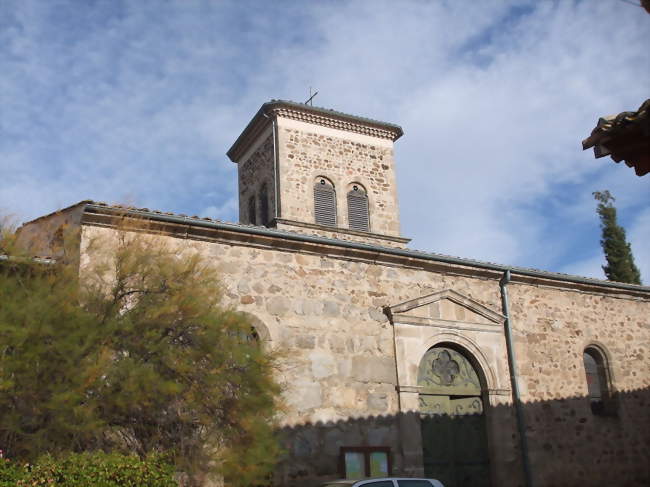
[{"x": 264, "y": 115}]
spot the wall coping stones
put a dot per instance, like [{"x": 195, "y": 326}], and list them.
[{"x": 182, "y": 226}]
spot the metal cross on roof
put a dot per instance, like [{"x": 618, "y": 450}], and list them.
[{"x": 311, "y": 97}]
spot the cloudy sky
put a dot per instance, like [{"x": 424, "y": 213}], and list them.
[{"x": 138, "y": 101}]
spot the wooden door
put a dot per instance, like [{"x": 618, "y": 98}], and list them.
[{"x": 452, "y": 420}]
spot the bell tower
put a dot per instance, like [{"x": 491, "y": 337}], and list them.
[{"x": 320, "y": 172}]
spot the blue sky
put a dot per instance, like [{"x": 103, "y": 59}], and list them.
[{"x": 137, "y": 102}]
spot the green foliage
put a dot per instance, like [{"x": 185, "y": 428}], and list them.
[
  {"x": 133, "y": 352},
  {"x": 620, "y": 261},
  {"x": 98, "y": 469},
  {"x": 10, "y": 473}
]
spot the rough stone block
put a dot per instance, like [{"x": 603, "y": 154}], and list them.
[
  {"x": 322, "y": 364},
  {"x": 373, "y": 369},
  {"x": 278, "y": 305},
  {"x": 377, "y": 401}
]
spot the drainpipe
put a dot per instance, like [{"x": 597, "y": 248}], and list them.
[{"x": 512, "y": 365}]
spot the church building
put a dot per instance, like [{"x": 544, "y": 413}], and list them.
[{"x": 401, "y": 362}]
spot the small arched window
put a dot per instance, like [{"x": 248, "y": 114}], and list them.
[
  {"x": 358, "y": 208},
  {"x": 324, "y": 202},
  {"x": 252, "y": 216},
  {"x": 598, "y": 382},
  {"x": 264, "y": 206}
]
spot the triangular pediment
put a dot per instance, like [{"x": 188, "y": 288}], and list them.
[{"x": 448, "y": 305}]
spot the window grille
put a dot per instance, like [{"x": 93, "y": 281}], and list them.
[
  {"x": 358, "y": 209},
  {"x": 324, "y": 203}
]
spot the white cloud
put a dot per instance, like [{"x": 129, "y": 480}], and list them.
[
  {"x": 141, "y": 102},
  {"x": 222, "y": 212},
  {"x": 639, "y": 238},
  {"x": 588, "y": 267}
]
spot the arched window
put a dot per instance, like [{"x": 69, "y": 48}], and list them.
[
  {"x": 324, "y": 202},
  {"x": 598, "y": 381},
  {"x": 264, "y": 206},
  {"x": 252, "y": 217},
  {"x": 358, "y": 208}
]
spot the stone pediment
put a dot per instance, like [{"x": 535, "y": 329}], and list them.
[{"x": 447, "y": 305}]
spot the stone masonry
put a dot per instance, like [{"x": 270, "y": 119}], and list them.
[
  {"x": 303, "y": 152},
  {"x": 354, "y": 313},
  {"x": 256, "y": 171}
]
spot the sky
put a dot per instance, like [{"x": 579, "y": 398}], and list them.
[{"x": 137, "y": 102}]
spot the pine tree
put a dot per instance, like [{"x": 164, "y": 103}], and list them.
[{"x": 620, "y": 261}]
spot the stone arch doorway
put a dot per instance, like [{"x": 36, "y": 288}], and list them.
[{"x": 452, "y": 417}]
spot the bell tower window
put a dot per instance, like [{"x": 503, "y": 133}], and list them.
[
  {"x": 324, "y": 202},
  {"x": 358, "y": 208}
]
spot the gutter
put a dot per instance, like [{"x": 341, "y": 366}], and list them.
[
  {"x": 410, "y": 254},
  {"x": 514, "y": 380}
]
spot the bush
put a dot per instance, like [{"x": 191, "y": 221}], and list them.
[
  {"x": 97, "y": 469},
  {"x": 10, "y": 473}
]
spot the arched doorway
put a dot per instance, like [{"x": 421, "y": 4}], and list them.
[{"x": 452, "y": 418}]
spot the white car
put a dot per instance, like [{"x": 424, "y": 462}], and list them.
[{"x": 385, "y": 482}]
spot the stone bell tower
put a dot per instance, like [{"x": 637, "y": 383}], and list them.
[{"x": 320, "y": 172}]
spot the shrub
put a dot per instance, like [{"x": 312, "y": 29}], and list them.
[
  {"x": 97, "y": 469},
  {"x": 10, "y": 473}
]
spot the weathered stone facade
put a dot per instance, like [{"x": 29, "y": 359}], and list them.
[
  {"x": 289, "y": 151},
  {"x": 354, "y": 320},
  {"x": 256, "y": 172}
]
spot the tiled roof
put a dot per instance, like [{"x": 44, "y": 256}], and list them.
[
  {"x": 624, "y": 137},
  {"x": 205, "y": 221},
  {"x": 180, "y": 218}
]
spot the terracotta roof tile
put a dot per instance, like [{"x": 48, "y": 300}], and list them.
[{"x": 624, "y": 137}]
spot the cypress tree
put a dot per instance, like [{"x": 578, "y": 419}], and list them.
[{"x": 620, "y": 261}]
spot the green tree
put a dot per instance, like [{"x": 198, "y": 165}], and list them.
[
  {"x": 132, "y": 352},
  {"x": 620, "y": 261}
]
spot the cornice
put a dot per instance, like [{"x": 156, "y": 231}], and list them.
[
  {"x": 312, "y": 115},
  {"x": 339, "y": 230},
  {"x": 183, "y": 226},
  {"x": 335, "y": 122}
]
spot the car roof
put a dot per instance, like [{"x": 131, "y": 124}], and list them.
[{"x": 354, "y": 481}]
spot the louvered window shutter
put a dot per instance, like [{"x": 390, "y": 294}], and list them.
[
  {"x": 324, "y": 204},
  {"x": 358, "y": 210}
]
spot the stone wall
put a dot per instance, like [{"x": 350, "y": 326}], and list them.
[
  {"x": 552, "y": 328},
  {"x": 325, "y": 314},
  {"x": 254, "y": 172},
  {"x": 307, "y": 151}
]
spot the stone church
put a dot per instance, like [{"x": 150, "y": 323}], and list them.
[{"x": 403, "y": 362}]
